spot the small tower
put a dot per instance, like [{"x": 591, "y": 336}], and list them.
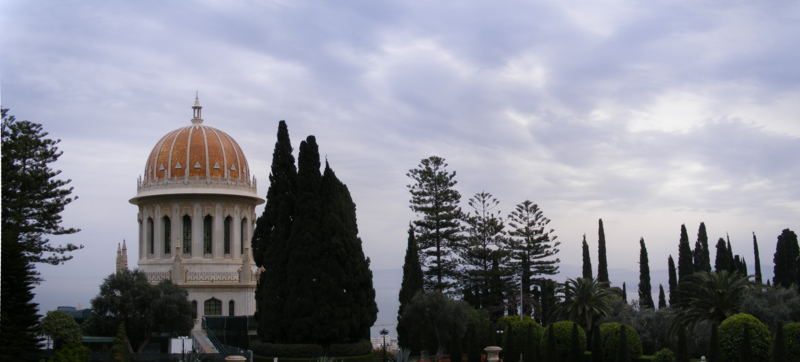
[
  {"x": 122, "y": 257},
  {"x": 196, "y": 110}
]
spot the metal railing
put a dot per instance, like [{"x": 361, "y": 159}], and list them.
[{"x": 211, "y": 337}]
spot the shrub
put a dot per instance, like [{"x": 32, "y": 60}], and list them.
[
  {"x": 563, "y": 334},
  {"x": 791, "y": 336},
  {"x": 72, "y": 352},
  {"x": 609, "y": 332},
  {"x": 359, "y": 348},
  {"x": 730, "y": 337},
  {"x": 521, "y": 336},
  {"x": 664, "y": 355},
  {"x": 287, "y": 350}
]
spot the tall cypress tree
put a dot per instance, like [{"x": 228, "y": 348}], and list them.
[
  {"x": 702, "y": 261},
  {"x": 602, "y": 261},
  {"x": 411, "y": 285},
  {"x": 271, "y": 239},
  {"x": 662, "y": 301},
  {"x": 685, "y": 263},
  {"x": 623, "y": 352},
  {"x": 673, "y": 281},
  {"x": 575, "y": 351},
  {"x": 721, "y": 261},
  {"x": 510, "y": 350},
  {"x": 746, "y": 353},
  {"x": 587, "y": 260},
  {"x": 624, "y": 293},
  {"x": 455, "y": 351},
  {"x": 645, "y": 290},
  {"x": 757, "y": 258},
  {"x": 550, "y": 348},
  {"x": 597, "y": 346},
  {"x": 731, "y": 265},
  {"x": 785, "y": 259},
  {"x": 778, "y": 345}
]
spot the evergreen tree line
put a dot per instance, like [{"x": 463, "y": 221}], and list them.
[{"x": 316, "y": 285}]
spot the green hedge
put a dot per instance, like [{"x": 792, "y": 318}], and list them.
[
  {"x": 521, "y": 337},
  {"x": 609, "y": 332},
  {"x": 563, "y": 332},
  {"x": 287, "y": 350},
  {"x": 359, "y": 348},
  {"x": 730, "y": 337},
  {"x": 366, "y": 358},
  {"x": 791, "y": 334}
]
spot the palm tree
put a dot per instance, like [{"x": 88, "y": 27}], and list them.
[
  {"x": 709, "y": 296},
  {"x": 585, "y": 301}
]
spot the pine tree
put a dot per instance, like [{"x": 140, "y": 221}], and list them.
[
  {"x": 746, "y": 352},
  {"x": 19, "y": 330},
  {"x": 551, "y": 349},
  {"x": 757, "y": 259},
  {"x": 438, "y": 231},
  {"x": 702, "y": 261},
  {"x": 785, "y": 259},
  {"x": 587, "y": 261},
  {"x": 410, "y": 286},
  {"x": 271, "y": 239},
  {"x": 685, "y": 263},
  {"x": 575, "y": 351},
  {"x": 662, "y": 301},
  {"x": 778, "y": 345},
  {"x": 510, "y": 351},
  {"x": 673, "y": 282},
  {"x": 721, "y": 261},
  {"x": 645, "y": 290},
  {"x": 682, "y": 353},
  {"x": 623, "y": 353},
  {"x": 714, "y": 354},
  {"x": 597, "y": 346},
  {"x": 602, "y": 262}
]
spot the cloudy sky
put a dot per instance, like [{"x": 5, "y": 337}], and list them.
[{"x": 647, "y": 114}]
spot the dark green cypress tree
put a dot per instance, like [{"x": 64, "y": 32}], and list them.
[
  {"x": 778, "y": 345},
  {"x": 624, "y": 293},
  {"x": 411, "y": 285},
  {"x": 623, "y": 353},
  {"x": 685, "y": 263},
  {"x": 731, "y": 265},
  {"x": 682, "y": 353},
  {"x": 19, "y": 322},
  {"x": 530, "y": 351},
  {"x": 474, "y": 349},
  {"x": 645, "y": 290},
  {"x": 757, "y": 258},
  {"x": 550, "y": 348},
  {"x": 491, "y": 338},
  {"x": 721, "y": 261},
  {"x": 702, "y": 261},
  {"x": 587, "y": 260},
  {"x": 597, "y": 345},
  {"x": 673, "y": 281},
  {"x": 575, "y": 351},
  {"x": 714, "y": 354},
  {"x": 602, "y": 261},
  {"x": 510, "y": 350},
  {"x": 456, "y": 354},
  {"x": 662, "y": 300},
  {"x": 746, "y": 352},
  {"x": 785, "y": 259},
  {"x": 270, "y": 240}
]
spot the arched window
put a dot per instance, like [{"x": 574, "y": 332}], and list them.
[
  {"x": 194, "y": 309},
  {"x": 150, "y": 236},
  {"x": 187, "y": 234},
  {"x": 207, "y": 235},
  {"x": 241, "y": 235},
  {"x": 167, "y": 224},
  {"x": 227, "y": 238},
  {"x": 231, "y": 305},
  {"x": 212, "y": 307}
]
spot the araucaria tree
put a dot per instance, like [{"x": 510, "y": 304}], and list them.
[
  {"x": 700, "y": 254},
  {"x": 785, "y": 259},
  {"x": 532, "y": 245},
  {"x": 32, "y": 202},
  {"x": 645, "y": 290},
  {"x": 685, "y": 262},
  {"x": 587, "y": 260},
  {"x": 271, "y": 238},
  {"x": 411, "y": 285},
  {"x": 438, "y": 230},
  {"x": 602, "y": 261}
]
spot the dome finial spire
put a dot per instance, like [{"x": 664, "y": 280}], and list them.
[{"x": 196, "y": 108}]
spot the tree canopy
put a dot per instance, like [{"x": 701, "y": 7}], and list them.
[{"x": 61, "y": 327}]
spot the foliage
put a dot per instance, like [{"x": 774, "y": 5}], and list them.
[
  {"x": 757, "y": 259},
  {"x": 710, "y": 296},
  {"x": 359, "y": 348},
  {"x": 645, "y": 290},
  {"x": 61, "y": 327},
  {"x": 585, "y": 301},
  {"x": 730, "y": 337},
  {"x": 575, "y": 350},
  {"x": 533, "y": 247},
  {"x": 287, "y": 350},
  {"x": 682, "y": 347},
  {"x": 786, "y": 260},
  {"x": 455, "y": 352},
  {"x": 623, "y": 353},
  {"x": 438, "y": 231},
  {"x": 563, "y": 338},
  {"x": 530, "y": 348},
  {"x": 721, "y": 261},
  {"x": 779, "y": 351},
  {"x": 664, "y": 355},
  {"x": 402, "y": 355},
  {"x": 602, "y": 261},
  {"x": 410, "y": 286},
  {"x": 435, "y": 311},
  {"x": 474, "y": 348},
  {"x": 128, "y": 297},
  {"x": 521, "y": 330},
  {"x": 714, "y": 353},
  {"x": 73, "y": 352},
  {"x": 119, "y": 351},
  {"x": 597, "y": 346},
  {"x": 662, "y": 300},
  {"x": 771, "y": 305},
  {"x": 609, "y": 333},
  {"x": 270, "y": 239},
  {"x": 550, "y": 343},
  {"x": 747, "y": 349},
  {"x": 700, "y": 254},
  {"x": 673, "y": 281},
  {"x": 19, "y": 321},
  {"x": 791, "y": 335},
  {"x": 587, "y": 259},
  {"x": 685, "y": 262}
]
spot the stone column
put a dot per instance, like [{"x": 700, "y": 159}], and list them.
[
  {"x": 197, "y": 232},
  {"x": 218, "y": 235}
]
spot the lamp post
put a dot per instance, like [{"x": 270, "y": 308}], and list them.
[{"x": 384, "y": 333}]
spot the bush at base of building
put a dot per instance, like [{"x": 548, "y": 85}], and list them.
[
  {"x": 609, "y": 332},
  {"x": 791, "y": 334},
  {"x": 730, "y": 337},
  {"x": 664, "y": 355},
  {"x": 563, "y": 332},
  {"x": 359, "y": 348},
  {"x": 73, "y": 352}
]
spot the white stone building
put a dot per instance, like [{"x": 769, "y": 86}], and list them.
[{"x": 197, "y": 203}]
